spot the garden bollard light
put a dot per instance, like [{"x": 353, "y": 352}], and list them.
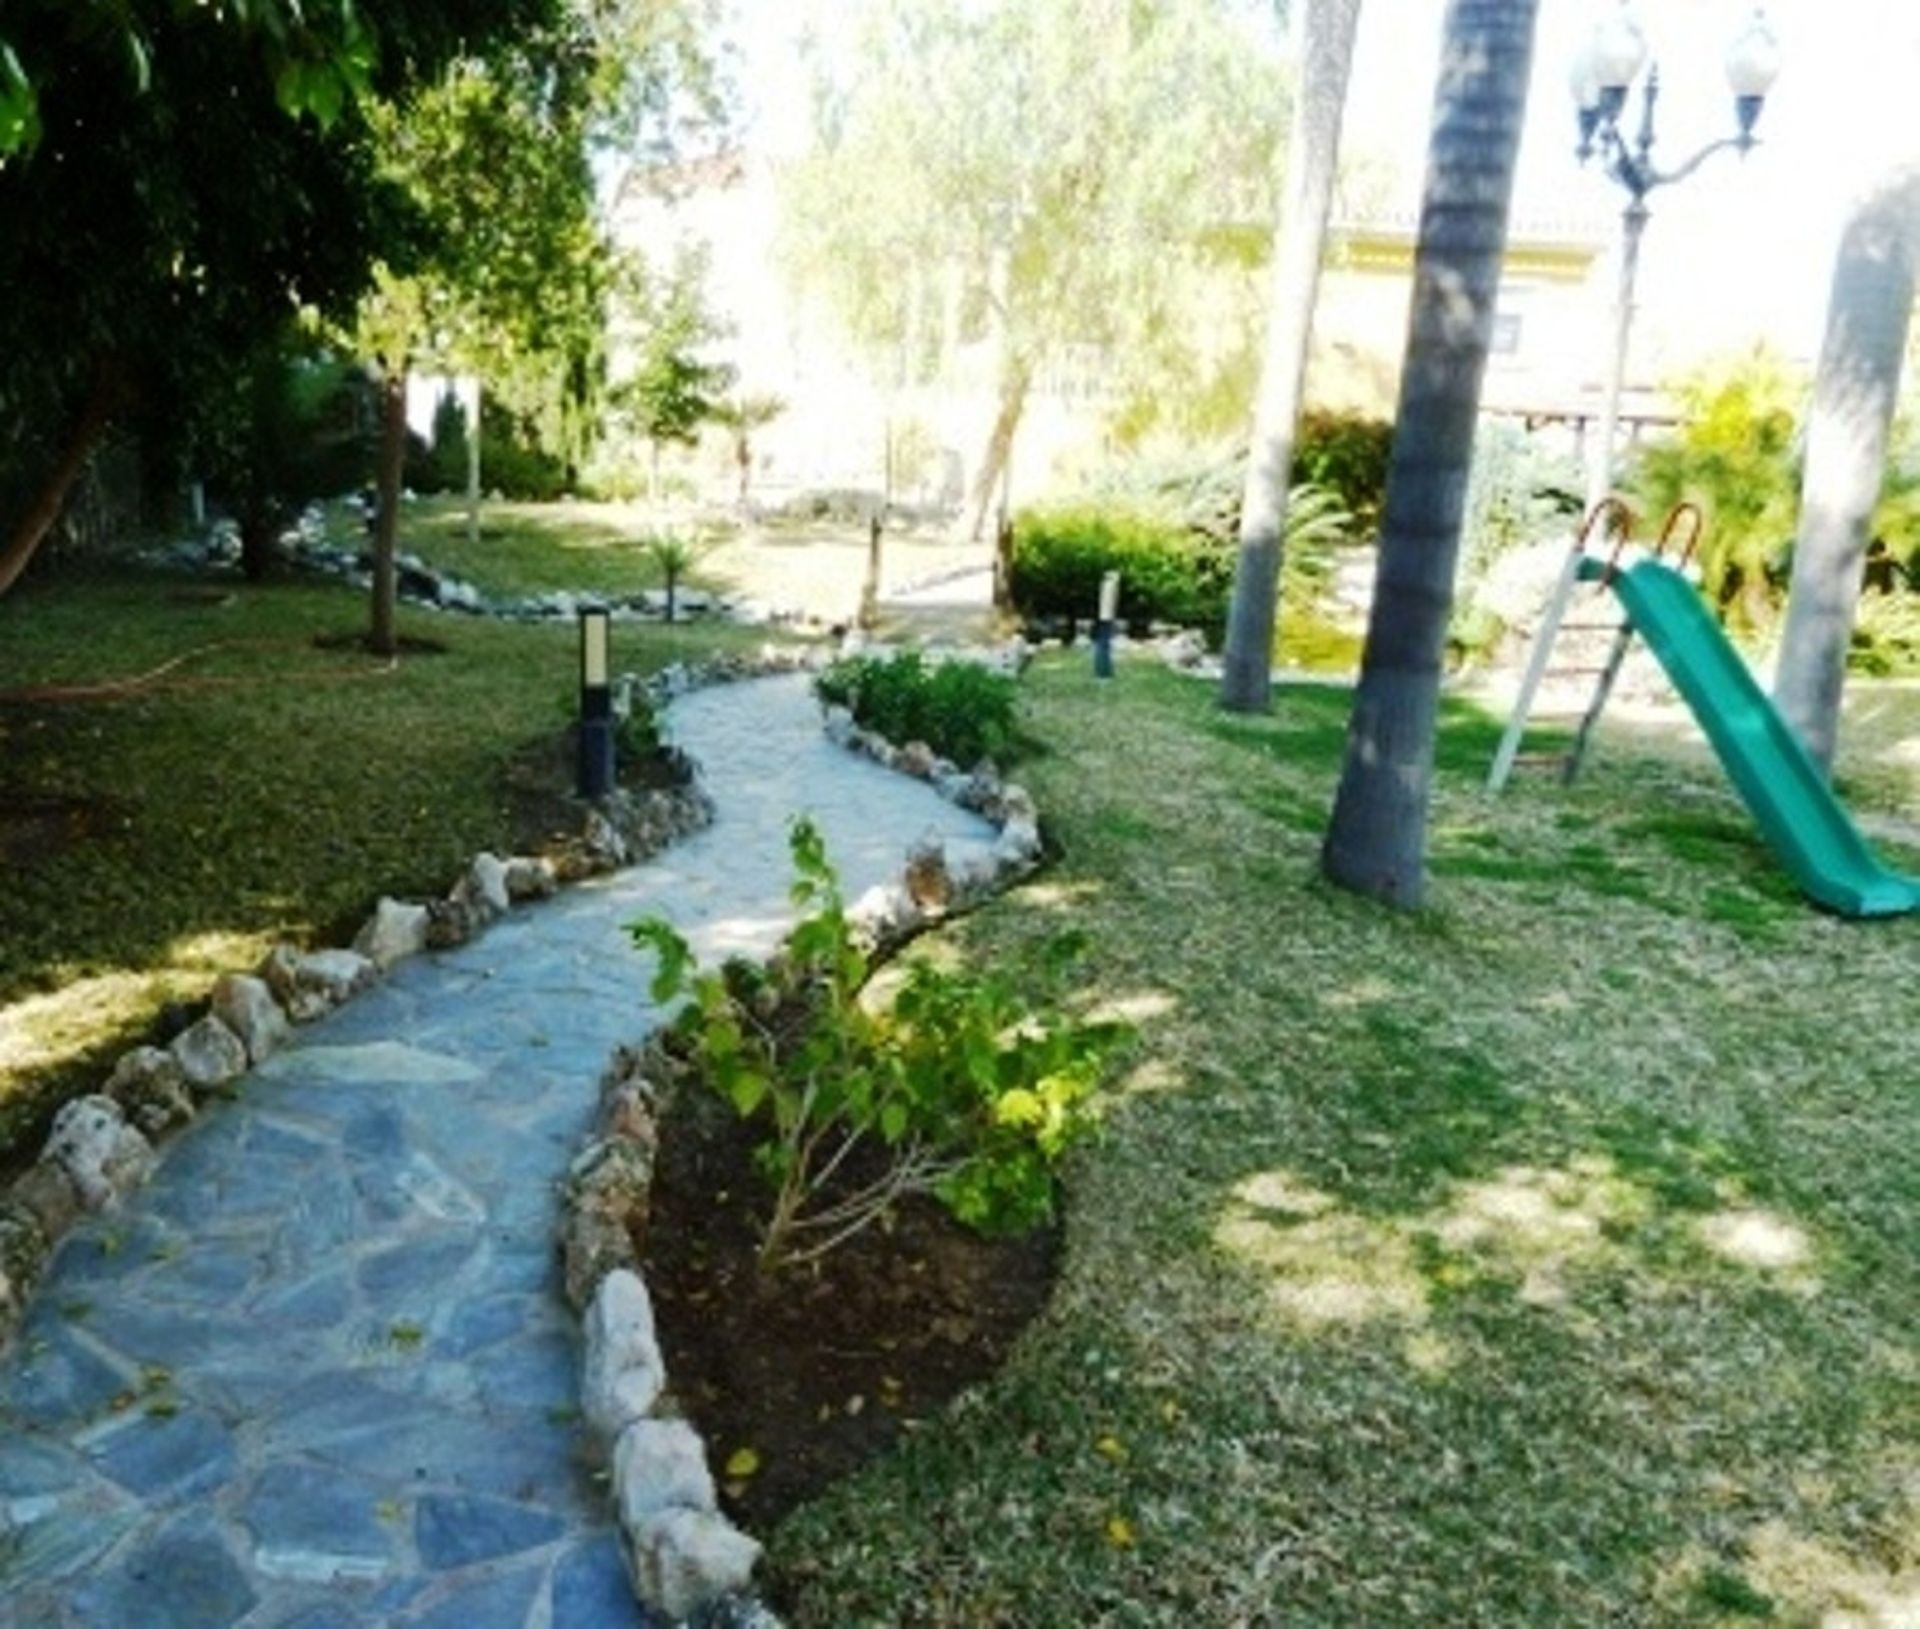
[
  {"x": 1103, "y": 625},
  {"x": 596, "y": 706}
]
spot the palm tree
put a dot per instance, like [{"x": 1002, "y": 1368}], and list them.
[
  {"x": 1326, "y": 55},
  {"x": 1854, "y": 397},
  {"x": 742, "y": 416},
  {"x": 1376, "y": 841}
]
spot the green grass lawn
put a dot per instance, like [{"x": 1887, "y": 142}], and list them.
[
  {"x": 527, "y": 548},
  {"x": 1551, "y": 1257},
  {"x": 273, "y": 790}
]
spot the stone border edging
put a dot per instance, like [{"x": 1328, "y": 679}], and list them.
[
  {"x": 685, "y": 1558},
  {"x": 101, "y": 1144}
]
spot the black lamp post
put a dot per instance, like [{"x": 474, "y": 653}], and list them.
[
  {"x": 596, "y": 705},
  {"x": 1602, "y": 74}
]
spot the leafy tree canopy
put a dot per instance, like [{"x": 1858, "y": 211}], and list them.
[{"x": 1076, "y": 171}]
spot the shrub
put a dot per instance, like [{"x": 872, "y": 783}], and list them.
[
  {"x": 1886, "y": 635},
  {"x": 962, "y": 710},
  {"x": 1348, "y": 454},
  {"x": 1168, "y": 571},
  {"x": 962, "y": 1088},
  {"x": 1735, "y": 455}
]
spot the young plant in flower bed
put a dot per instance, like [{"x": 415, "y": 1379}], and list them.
[
  {"x": 964, "y": 1087},
  {"x": 962, "y": 710}
]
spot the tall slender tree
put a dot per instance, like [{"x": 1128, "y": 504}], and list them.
[
  {"x": 1854, "y": 396},
  {"x": 1056, "y": 177},
  {"x": 1326, "y": 30},
  {"x": 1376, "y": 842}
]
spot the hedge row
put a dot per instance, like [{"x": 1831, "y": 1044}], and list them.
[{"x": 1168, "y": 572}]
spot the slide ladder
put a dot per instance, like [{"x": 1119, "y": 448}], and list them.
[{"x": 1554, "y": 622}]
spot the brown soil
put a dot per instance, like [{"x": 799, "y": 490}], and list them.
[
  {"x": 822, "y": 1367},
  {"x": 543, "y": 813}
]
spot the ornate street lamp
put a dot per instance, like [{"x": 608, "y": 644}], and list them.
[{"x": 1602, "y": 76}]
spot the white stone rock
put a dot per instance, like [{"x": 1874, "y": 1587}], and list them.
[
  {"x": 928, "y": 878},
  {"x": 209, "y": 1055},
  {"x": 530, "y": 877},
  {"x": 309, "y": 984},
  {"x": 973, "y": 871},
  {"x": 246, "y": 1006},
  {"x": 487, "y": 882},
  {"x": 151, "y": 1089},
  {"x": 101, "y": 1154},
  {"x": 397, "y": 929},
  {"x": 1016, "y": 804},
  {"x": 659, "y": 1465},
  {"x": 603, "y": 840},
  {"x": 1018, "y": 843},
  {"x": 683, "y": 1560},
  {"x": 884, "y": 911},
  {"x": 622, "y": 1370},
  {"x": 1185, "y": 649},
  {"x": 839, "y": 725}
]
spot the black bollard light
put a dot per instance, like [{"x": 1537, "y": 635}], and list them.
[
  {"x": 1103, "y": 625},
  {"x": 596, "y": 706}
]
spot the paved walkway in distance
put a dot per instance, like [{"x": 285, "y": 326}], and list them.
[{"x": 318, "y": 1373}]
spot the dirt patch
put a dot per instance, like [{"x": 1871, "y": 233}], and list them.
[
  {"x": 827, "y": 1366},
  {"x": 537, "y": 786}
]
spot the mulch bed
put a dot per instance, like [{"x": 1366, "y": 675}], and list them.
[
  {"x": 824, "y": 1366},
  {"x": 537, "y": 788}
]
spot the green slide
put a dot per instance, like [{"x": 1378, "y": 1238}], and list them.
[{"x": 1806, "y": 825}]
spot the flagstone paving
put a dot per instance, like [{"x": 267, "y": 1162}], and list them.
[{"x": 318, "y": 1371}]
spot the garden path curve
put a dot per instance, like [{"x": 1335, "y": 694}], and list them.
[{"x": 318, "y": 1372}]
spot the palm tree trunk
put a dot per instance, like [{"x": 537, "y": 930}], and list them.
[
  {"x": 1326, "y": 55},
  {"x": 1376, "y": 841},
  {"x": 1854, "y": 398},
  {"x": 82, "y": 437},
  {"x": 393, "y": 452}
]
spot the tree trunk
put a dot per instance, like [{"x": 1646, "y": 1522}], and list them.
[
  {"x": 869, "y": 614},
  {"x": 473, "y": 472},
  {"x": 393, "y": 452},
  {"x": 993, "y": 462},
  {"x": 257, "y": 526},
  {"x": 82, "y": 437},
  {"x": 1326, "y": 55},
  {"x": 673, "y": 591},
  {"x": 1376, "y": 841},
  {"x": 1854, "y": 397}
]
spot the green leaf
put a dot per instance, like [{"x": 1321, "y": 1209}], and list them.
[
  {"x": 19, "y": 105},
  {"x": 676, "y": 959},
  {"x": 747, "y": 1089},
  {"x": 1019, "y": 1107},
  {"x": 893, "y": 1122}
]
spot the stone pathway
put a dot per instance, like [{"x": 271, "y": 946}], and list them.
[{"x": 318, "y": 1372}]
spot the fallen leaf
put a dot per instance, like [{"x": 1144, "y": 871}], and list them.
[
  {"x": 742, "y": 1463},
  {"x": 1120, "y": 1532}
]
